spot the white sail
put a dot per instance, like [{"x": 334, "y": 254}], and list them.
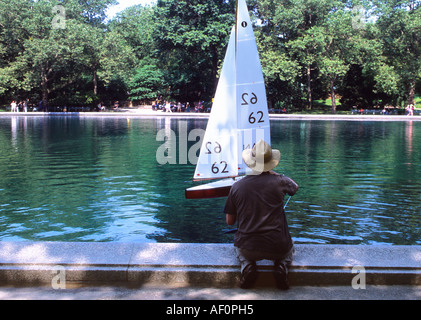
[{"x": 239, "y": 116}]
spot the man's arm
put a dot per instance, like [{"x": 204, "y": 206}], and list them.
[
  {"x": 231, "y": 219},
  {"x": 290, "y": 186},
  {"x": 230, "y": 210}
]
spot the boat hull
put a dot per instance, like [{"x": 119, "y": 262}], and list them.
[{"x": 216, "y": 189}]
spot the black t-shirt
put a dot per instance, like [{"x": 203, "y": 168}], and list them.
[{"x": 257, "y": 201}]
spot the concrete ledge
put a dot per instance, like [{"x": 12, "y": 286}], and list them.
[{"x": 187, "y": 264}]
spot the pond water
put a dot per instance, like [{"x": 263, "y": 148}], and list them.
[{"x": 98, "y": 179}]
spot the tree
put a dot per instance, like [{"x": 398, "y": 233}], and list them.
[
  {"x": 44, "y": 51},
  {"x": 191, "y": 38},
  {"x": 400, "y": 32},
  {"x": 57, "y": 58},
  {"x": 280, "y": 69},
  {"x": 359, "y": 90},
  {"x": 137, "y": 26},
  {"x": 12, "y": 40},
  {"x": 51, "y": 58},
  {"x": 307, "y": 48},
  {"x": 296, "y": 25},
  {"x": 146, "y": 83},
  {"x": 116, "y": 58},
  {"x": 92, "y": 12},
  {"x": 338, "y": 50}
]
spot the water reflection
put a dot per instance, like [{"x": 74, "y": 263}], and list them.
[
  {"x": 355, "y": 188},
  {"x": 97, "y": 179}
]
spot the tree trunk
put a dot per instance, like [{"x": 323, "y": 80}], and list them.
[
  {"x": 215, "y": 68},
  {"x": 332, "y": 95},
  {"x": 309, "y": 90},
  {"x": 95, "y": 81},
  {"x": 44, "y": 89},
  {"x": 411, "y": 96}
]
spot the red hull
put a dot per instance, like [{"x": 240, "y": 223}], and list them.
[{"x": 211, "y": 190}]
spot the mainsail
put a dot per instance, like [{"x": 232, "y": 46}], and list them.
[{"x": 239, "y": 116}]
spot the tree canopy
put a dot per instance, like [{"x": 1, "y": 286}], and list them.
[{"x": 365, "y": 53}]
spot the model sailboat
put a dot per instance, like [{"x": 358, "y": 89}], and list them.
[{"x": 239, "y": 116}]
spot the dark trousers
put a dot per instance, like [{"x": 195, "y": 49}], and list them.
[{"x": 247, "y": 257}]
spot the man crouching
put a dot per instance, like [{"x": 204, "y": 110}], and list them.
[{"x": 256, "y": 204}]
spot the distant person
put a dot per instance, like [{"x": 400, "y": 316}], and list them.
[
  {"x": 101, "y": 107},
  {"x": 410, "y": 110},
  {"x": 25, "y": 105},
  {"x": 168, "y": 107},
  {"x": 13, "y": 106},
  {"x": 116, "y": 105},
  {"x": 201, "y": 108},
  {"x": 256, "y": 203}
]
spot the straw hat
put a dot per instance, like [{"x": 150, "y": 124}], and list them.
[{"x": 261, "y": 158}]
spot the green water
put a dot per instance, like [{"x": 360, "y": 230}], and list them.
[{"x": 97, "y": 179}]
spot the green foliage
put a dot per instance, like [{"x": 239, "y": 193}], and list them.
[
  {"x": 368, "y": 52},
  {"x": 400, "y": 26},
  {"x": 46, "y": 61},
  {"x": 191, "y": 38},
  {"x": 146, "y": 84},
  {"x": 136, "y": 26}
]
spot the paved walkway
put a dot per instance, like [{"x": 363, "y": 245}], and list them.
[{"x": 197, "y": 293}]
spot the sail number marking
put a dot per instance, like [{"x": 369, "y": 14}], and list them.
[
  {"x": 216, "y": 149},
  {"x": 253, "y": 100},
  {"x": 212, "y": 148},
  {"x": 215, "y": 168},
  {"x": 253, "y": 120}
]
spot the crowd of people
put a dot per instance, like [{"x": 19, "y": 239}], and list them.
[
  {"x": 16, "y": 106},
  {"x": 25, "y": 106},
  {"x": 409, "y": 110},
  {"x": 162, "y": 105},
  {"x": 168, "y": 106}
]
